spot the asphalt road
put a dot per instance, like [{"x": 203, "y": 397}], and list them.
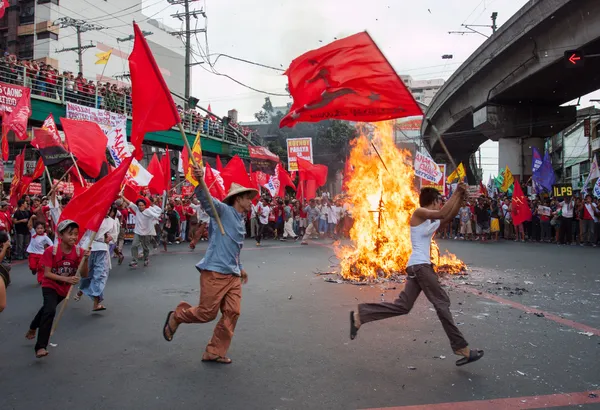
[{"x": 534, "y": 308}]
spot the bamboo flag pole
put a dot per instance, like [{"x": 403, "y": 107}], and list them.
[
  {"x": 201, "y": 182},
  {"x": 77, "y": 168},
  {"x": 442, "y": 143},
  {"x": 78, "y": 274},
  {"x": 60, "y": 180}
]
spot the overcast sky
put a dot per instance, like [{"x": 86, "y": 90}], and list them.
[{"x": 413, "y": 35}]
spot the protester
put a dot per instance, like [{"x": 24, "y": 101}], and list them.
[
  {"x": 20, "y": 221},
  {"x": 38, "y": 244},
  {"x": 312, "y": 221},
  {"x": 420, "y": 274},
  {"x": 590, "y": 217},
  {"x": 288, "y": 229},
  {"x": 566, "y": 210},
  {"x": 144, "y": 230},
  {"x": 60, "y": 262},
  {"x": 262, "y": 210},
  {"x": 4, "y": 269},
  {"x": 221, "y": 272},
  {"x": 466, "y": 216}
]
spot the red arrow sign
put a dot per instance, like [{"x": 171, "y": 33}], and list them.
[{"x": 574, "y": 58}]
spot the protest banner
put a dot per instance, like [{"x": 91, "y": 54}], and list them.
[
  {"x": 64, "y": 187},
  {"x": 562, "y": 190},
  {"x": 440, "y": 184},
  {"x": 10, "y": 95},
  {"x": 544, "y": 210},
  {"x": 298, "y": 147},
  {"x": 35, "y": 188},
  {"x": 426, "y": 168}
]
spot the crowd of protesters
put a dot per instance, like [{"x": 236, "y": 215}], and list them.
[
  {"x": 565, "y": 221},
  {"x": 46, "y": 81}
]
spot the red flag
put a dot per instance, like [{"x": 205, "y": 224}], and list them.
[
  {"x": 219, "y": 164},
  {"x": 89, "y": 208},
  {"x": 39, "y": 169},
  {"x": 284, "y": 179},
  {"x": 78, "y": 189},
  {"x": 3, "y": 6},
  {"x": 131, "y": 193},
  {"x": 214, "y": 185},
  {"x": 88, "y": 143},
  {"x": 4, "y": 137},
  {"x": 17, "y": 177},
  {"x": 349, "y": 79},
  {"x": 235, "y": 171},
  {"x": 311, "y": 189},
  {"x": 50, "y": 148},
  {"x": 166, "y": 169},
  {"x": 262, "y": 179},
  {"x": 17, "y": 119},
  {"x": 185, "y": 160},
  {"x": 157, "y": 183},
  {"x": 520, "y": 207},
  {"x": 315, "y": 172},
  {"x": 50, "y": 126},
  {"x": 483, "y": 189},
  {"x": 153, "y": 106}
]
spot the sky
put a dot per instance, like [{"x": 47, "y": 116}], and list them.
[{"x": 412, "y": 35}]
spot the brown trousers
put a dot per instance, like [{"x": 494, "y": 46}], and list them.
[
  {"x": 217, "y": 291},
  {"x": 420, "y": 278}
]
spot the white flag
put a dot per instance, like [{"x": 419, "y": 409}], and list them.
[
  {"x": 597, "y": 189},
  {"x": 594, "y": 173}
]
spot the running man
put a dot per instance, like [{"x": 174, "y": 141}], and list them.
[{"x": 421, "y": 276}]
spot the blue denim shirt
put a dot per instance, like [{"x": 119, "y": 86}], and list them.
[{"x": 223, "y": 253}]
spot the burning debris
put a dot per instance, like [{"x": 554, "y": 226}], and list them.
[{"x": 383, "y": 199}]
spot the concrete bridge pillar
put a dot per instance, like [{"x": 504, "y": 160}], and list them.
[{"x": 517, "y": 153}]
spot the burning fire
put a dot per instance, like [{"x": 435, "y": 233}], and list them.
[{"x": 381, "y": 240}]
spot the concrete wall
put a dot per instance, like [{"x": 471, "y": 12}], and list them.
[{"x": 517, "y": 154}]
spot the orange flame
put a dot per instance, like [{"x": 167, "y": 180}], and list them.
[{"x": 381, "y": 240}]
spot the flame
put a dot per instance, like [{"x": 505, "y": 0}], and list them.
[{"x": 381, "y": 240}]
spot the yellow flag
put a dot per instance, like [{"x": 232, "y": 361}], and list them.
[
  {"x": 103, "y": 57},
  {"x": 509, "y": 180},
  {"x": 459, "y": 173},
  {"x": 197, "y": 154}
]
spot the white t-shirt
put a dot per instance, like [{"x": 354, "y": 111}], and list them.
[
  {"x": 506, "y": 213},
  {"x": 263, "y": 213},
  {"x": 333, "y": 216},
  {"x": 36, "y": 245},
  {"x": 567, "y": 209}
]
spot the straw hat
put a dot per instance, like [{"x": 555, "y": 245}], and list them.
[{"x": 237, "y": 189}]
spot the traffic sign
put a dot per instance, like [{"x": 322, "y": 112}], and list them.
[{"x": 574, "y": 58}]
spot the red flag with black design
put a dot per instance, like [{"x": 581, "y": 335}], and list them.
[
  {"x": 349, "y": 79},
  {"x": 521, "y": 211}
]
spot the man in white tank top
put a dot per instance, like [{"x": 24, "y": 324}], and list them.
[{"x": 421, "y": 276}]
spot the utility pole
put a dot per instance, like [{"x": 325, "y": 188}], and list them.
[
  {"x": 80, "y": 26},
  {"x": 187, "y": 14},
  {"x": 469, "y": 27}
]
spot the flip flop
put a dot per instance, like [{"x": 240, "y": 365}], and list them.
[
  {"x": 353, "y": 328},
  {"x": 219, "y": 359},
  {"x": 99, "y": 309},
  {"x": 166, "y": 326},
  {"x": 474, "y": 355}
]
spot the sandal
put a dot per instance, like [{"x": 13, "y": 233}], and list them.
[
  {"x": 474, "y": 355},
  {"x": 217, "y": 359},
  {"x": 166, "y": 326},
  {"x": 78, "y": 296},
  {"x": 353, "y": 328},
  {"x": 99, "y": 308}
]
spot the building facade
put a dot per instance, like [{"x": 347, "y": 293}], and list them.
[{"x": 422, "y": 90}]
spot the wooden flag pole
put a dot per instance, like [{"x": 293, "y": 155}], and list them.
[
  {"x": 59, "y": 181},
  {"x": 78, "y": 274},
  {"x": 78, "y": 171},
  {"x": 442, "y": 143},
  {"x": 201, "y": 182}
]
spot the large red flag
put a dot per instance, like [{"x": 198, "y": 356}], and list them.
[
  {"x": 153, "y": 108},
  {"x": 157, "y": 183},
  {"x": 17, "y": 119},
  {"x": 87, "y": 142},
  {"x": 315, "y": 172},
  {"x": 214, "y": 185},
  {"x": 89, "y": 208},
  {"x": 520, "y": 207},
  {"x": 131, "y": 193},
  {"x": 235, "y": 171},
  {"x": 284, "y": 179},
  {"x": 349, "y": 79},
  {"x": 165, "y": 163},
  {"x": 49, "y": 146},
  {"x": 4, "y": 137},
  {"x": 219, "y": 164},
  {"x": 311, "y": 189},
  {"x": 17, "y": 178},
  {"x": 39, "y": 169}
]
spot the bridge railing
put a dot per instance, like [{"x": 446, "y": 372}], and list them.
[{"x": 62, "y": 90}]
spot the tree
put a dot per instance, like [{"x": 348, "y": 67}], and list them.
[{"x": 265, "y": 114}]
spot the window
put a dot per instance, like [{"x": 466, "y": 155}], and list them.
[
  {"x": 47, "y": 35},
  {"x": 26, "y": 16},
  {"x": 568, "y": 172},
  {"x": 25, "y": 47},
  {"x": 584, "y": 167}
]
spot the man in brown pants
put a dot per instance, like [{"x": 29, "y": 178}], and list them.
[
  {"x": 221, "y": 273},
  {"x": 421, "y": 276}
]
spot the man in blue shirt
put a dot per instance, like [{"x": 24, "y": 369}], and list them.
[{"x": 221, "y": 272}]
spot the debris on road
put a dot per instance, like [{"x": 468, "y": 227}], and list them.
[
  {"x": 290, "y": 297},
  {"x": 412, "y": 367},
  {"x": 586, "y": 333},
  {"x": 539, "y": 314},
  {"x": 593, "y": 396},
  {"x": 521, "y": 373}
]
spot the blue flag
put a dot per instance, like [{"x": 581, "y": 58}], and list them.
[
  {"x": 546, "y": 173},
  {"x": 536, "y": 170}
]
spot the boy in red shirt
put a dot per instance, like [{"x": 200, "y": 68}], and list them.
[{"x": 60, "y": 268}]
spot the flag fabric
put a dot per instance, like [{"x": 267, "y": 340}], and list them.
[
  {"x": 51, "y": 150},
  {"x": 482, "y": 189},
  {"x": 153, "y": 107},
  {"x": 214, "y": 183},
  {"x": 89, "y": 208},
  {"x": 520, "y": 207},
  {"x": 235, "y": 171},
  {"x": 459, "y": 173},
  {"x": 166, "y": 169},
  {"x": 187, "y": 161},
  {"x": 3, "y": 6},
  {"x": 17, "y": 119},
  {"x": 104, "y": 57},
  {"x": 284, "y": 180},
  {"x": 315, "y": 172},
  {"x": 131, "y": 192},
  {"x": 491, "y": 187},
  {"x": 219, "y": 164},
  {"x": 349, "y": 79},
  {"x": 597, "y": 189},
  {"x": 5, "y": 151},
  {"x": 39, "y": 169},
  {"x": 594, "y": 173},
  {"x": 547, "y": 177},
  {"x": 87, "y": 142},
  {"x": 536, "y": 170},
  {"x": 508, "y": 180},
  {"x": 50, "y": 125},
  {"x": 310, "y": 189},
  {"x": 157, "y": 183},
  {"x": 17, "y": 177}
]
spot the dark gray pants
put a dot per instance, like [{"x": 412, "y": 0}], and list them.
[
  {"x": 420, "y": 278},
  {"x": 21, "y": 244}
]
